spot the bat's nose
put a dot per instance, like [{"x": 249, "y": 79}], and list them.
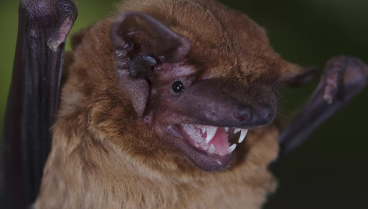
[
  {"x": 254, "y": 116},
  {"x": 266, "y": 114},
  {"x": 244, "y": 115}
]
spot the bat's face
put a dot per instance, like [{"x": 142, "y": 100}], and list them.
[
  {"x": 196, "y": 84},
  {"x": 222, "y": 84},
  {"x": 206, "y": 111},
  {"x": 148, "y": 95}
]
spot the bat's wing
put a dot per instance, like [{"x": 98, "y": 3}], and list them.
[
  {"x": 342, "y": 79},
  {"x": 33, "y": 98}
]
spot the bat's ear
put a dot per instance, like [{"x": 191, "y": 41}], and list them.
[
  {"x": 140, "y": 41},
  {"x": 296, "y": 76},
  {"x": 149, "y": 36}
]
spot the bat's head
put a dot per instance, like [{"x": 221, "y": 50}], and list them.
[{"x": 198, "y": 79}]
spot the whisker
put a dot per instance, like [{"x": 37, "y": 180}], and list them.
[{"x": 290, "y": 112}]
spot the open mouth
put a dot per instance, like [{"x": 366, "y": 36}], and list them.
[
  {"x": 211, "y": 139},
  {"x": 210, "y": 147}
]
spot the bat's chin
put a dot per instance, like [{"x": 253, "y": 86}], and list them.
[{"x": 210, "y": 148}]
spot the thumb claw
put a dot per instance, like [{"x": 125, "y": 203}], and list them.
[{"x": 344, "y": 77}]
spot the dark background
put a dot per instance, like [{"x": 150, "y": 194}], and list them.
[{"x": 330, "y": 170}]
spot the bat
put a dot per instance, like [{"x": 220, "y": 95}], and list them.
[{"x": 144, "y": 91}]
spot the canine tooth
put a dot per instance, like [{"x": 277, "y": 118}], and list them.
[
  {"x": 198, "y": 133},
  {"x": 236, "y": 130},
  {"x": 243, "y": 133},
  {"x": 212, "y": 149},
  {"x": 205, "y": 146},
  {"x": 211, "y": 131},
  {"x": 204, "y": 129},
  {"x": 231, "y": 148},
  {"x": 226, "y": 129}
]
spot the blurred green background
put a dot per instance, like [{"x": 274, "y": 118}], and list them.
[{"x": 330, "y": 170}]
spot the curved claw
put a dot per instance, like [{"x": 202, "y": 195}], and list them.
[
  {"x": 343, "y": 78},
  {"x": 68, "y": 15}
]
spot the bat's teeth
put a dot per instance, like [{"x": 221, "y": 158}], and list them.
[
  {"x": 236, "y": 130},
  {"x": 211, "y": 131},
  {"x": 231, "y": 148},
  {"x": 204, "y": 129},
  {"x": 212, "y": 149},
  {"x": 205, "y": 146},
  {"x": 189, "y": 129},
  {"x": 242, "y": 135},
  {"x": 226, "y": 129}
]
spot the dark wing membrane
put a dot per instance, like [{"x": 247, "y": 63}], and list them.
[{"x": 33, "y": 98}]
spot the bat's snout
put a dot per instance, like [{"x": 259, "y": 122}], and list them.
[
  {"x": 210, "y": 104},
  {"x": 253, "y": 116},
  {"x": 244, "y": 115},
  {"x": 214, "y": 117},
  {"x": 266, "y": 114}
]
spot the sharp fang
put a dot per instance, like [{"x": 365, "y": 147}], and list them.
[
  {"x": 226, "y": 129},
  {"x": 204, "y": 129},
  {"x": 231, "y": 148},
  {"x": 211, "y": 131},
  {"x": 236, "y": 130},
  {"x": 242, "y": 135},
  {"x": 212, "y": 149}
]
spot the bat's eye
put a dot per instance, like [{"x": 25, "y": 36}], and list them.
[{"x": 178, "y": 87}]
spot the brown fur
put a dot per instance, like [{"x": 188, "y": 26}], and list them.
[{"x": 103, "y": 156}]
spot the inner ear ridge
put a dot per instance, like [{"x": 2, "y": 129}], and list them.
[{"x": 149, "y": 36}]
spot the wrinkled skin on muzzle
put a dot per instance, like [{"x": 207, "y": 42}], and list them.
[{"x": 226, "y": 104}]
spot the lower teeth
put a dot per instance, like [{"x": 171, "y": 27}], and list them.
[
  {"x": 196, "y": 133},
  {"x": 231, "y": 148},
  {"x": 212, "y": 149}
]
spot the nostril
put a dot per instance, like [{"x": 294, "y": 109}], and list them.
[
  {"x": 266, "y": 113},
  {"x": 243, "y": 115}
]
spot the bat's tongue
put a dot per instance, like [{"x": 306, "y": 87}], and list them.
[
  {"x": 213, "y": 140},
  {"x": 220, "y": 141}
]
